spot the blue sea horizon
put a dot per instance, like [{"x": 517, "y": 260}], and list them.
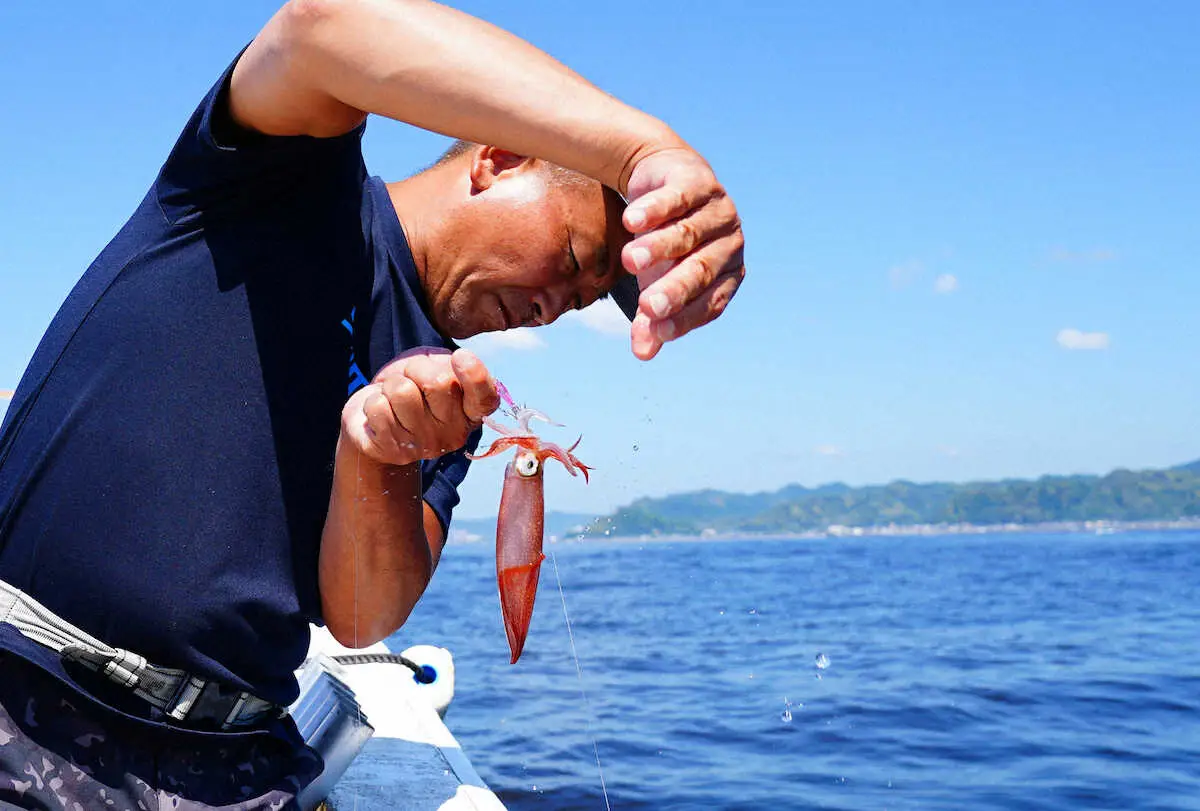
[{"x": 1006, "y": 671}]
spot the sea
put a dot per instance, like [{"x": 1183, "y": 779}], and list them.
[{"x": 1005, "y": 671}]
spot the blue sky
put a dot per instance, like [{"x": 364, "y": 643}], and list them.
[{"x": 972, "y": 229}]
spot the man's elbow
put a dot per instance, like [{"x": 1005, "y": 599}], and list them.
[
  {"x": 354, "y": 635},
  {"x": 302, "y": 18},
  {"x": 361, "y": 631},
  {"x": 314, "y": 26},
  {"x": 359, "y": 620}
]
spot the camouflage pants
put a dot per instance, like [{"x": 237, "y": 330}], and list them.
[{"x": 59, "y": 751}]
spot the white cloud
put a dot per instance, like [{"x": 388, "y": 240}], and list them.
[
  {"x": 948, "y": 450},
  {"x": 904, "y": 274},
  {"x": 522, "y": 339},
  {"x": 829, "y": 450},
  {"x": 1075, "y": 339},
  {"x": 604, "y": 317},
  {"x": 6, "y": 394},
  {"x": 945, "y": 283},
  {"x": 1090, "y": 255}
]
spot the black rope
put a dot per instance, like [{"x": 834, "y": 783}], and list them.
[{"x": 384, "y": 659}]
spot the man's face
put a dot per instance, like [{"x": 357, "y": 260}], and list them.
[{"x": 528, "y": 248}]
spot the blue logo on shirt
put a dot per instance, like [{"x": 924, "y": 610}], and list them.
[{"x": 357, "y": 378}]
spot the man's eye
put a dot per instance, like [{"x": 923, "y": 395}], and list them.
[{"x": 573, "y": 268}]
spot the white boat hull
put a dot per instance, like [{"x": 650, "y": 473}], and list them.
[{"x": 411, "y": 762}]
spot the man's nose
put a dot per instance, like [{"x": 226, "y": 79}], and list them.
[{"x": 550, "y": 304}]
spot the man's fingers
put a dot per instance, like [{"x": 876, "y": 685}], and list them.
[
  {"x": 676, "y": 288},
  {"x": 648, "y": 335},
  {"x": 704, "y": 308},
  {"x": 661, "y": 205},
  {"x": 675, "y": 240},
  {"x": 420, "y": 406},
  {"x": 437, "y": 384},
  {"x": 667, "y": 185},
  {"x": 354, "y": 419},
  {"x": 479, "y": 395},
  {"x": 380, "y": 432}
]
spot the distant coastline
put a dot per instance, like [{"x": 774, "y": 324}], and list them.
[
  {"x": 1121, "y": 500},
  {"x": 838, "y": 532},
  {"x": 907, "y": 530}
]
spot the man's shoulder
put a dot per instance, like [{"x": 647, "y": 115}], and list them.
[{"x": 217, "y": 166}]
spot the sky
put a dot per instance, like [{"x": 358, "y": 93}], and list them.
[{"x": 972, "y": 229}]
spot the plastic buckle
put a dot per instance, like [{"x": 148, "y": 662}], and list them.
[
  {"x": 231, "y": 719},
  {"x": 181, "y": 704}
]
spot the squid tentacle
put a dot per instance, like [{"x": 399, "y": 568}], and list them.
[
  {"x": 504, "y": 443},
  {"x": 564, "y": 455}
]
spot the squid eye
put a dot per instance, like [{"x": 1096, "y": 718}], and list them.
[{"x": 527, "y": 464}]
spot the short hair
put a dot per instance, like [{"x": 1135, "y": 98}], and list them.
[
  {"x": 561, "y": 173},
  {"x": 459, "y": 147}
]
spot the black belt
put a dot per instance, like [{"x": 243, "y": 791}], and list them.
[{"x": 183, "y": 696}]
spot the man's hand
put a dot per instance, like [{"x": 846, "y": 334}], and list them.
[
  {"x": 420, "y": 406},
  {"x": 687, "y": 246}
]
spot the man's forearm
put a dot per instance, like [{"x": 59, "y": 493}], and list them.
[
  {"x": 376, "y": 555},
  {"x": 321, "y": 63}
]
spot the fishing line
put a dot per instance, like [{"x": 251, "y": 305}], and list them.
[
  {"x": 579, "y": 672},
  {"x": 357, "y": 506}
]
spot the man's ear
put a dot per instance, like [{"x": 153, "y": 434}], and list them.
[{"x": 489, "y": 162}]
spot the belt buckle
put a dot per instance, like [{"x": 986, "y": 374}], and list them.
[
  {"x": 184, "y": 701},
  {"x": 215, "y": 703}
]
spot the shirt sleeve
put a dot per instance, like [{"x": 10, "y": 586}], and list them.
[
  {"x": 218, "y": 167},
  {"x": 441, "y": 477}
]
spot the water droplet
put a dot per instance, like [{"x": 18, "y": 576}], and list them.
[
  {"x": 752, "y": 611},
  {"x": 822, "y": 661}
]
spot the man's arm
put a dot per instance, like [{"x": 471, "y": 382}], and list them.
[
  {"x": 320, "y": 66},
  {"x": 381, "y": 541}
]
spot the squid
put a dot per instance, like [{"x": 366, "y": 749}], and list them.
[{"x": 521, "y": 521}]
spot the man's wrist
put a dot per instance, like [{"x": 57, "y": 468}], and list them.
[{"x": 659, "y": 139}]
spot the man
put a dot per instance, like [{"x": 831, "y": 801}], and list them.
[{"x": 178, "y": 497}]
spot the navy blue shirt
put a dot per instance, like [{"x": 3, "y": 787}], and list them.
[{"x": 166, "y": 462}]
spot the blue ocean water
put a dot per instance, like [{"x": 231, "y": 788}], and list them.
[{"x": 968, "y": 672}]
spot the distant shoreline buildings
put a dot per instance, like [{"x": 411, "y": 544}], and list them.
[{"x": 837, "y": 531}]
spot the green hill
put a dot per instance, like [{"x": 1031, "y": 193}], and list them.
[{"x": 1122, "y": 495}]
